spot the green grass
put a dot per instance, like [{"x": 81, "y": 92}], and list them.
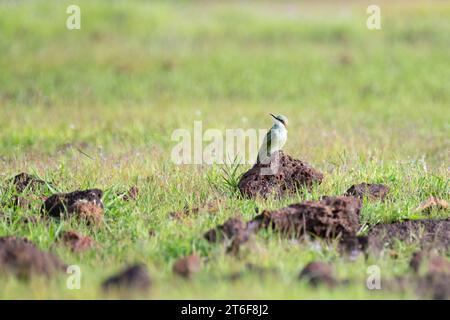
[{"x": 363, "y": 106}]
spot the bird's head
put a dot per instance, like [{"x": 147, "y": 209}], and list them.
[{"x": 280, "y": 119}]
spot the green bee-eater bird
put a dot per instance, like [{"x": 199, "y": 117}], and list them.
[{"x": 274, "y": 140}]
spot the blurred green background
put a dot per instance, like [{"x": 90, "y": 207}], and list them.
[
  {"x": 138, "y": 69},
  {"x": 364, "y": 105}
]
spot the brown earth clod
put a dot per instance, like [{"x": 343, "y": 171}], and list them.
[
  {"x": 24, "y": 181},
  {"x": 435, "y": 286},
  {"x": 283, "y": 175},
  {"x": 439, "y": 264},
  {"x": 428, "y": 233},
  {"x": 76, "y": 241},
  {"x": 371, "y": 191},
  {"x": 234, "y": 231},
  {"x": 228, "y": 230},
  {"x": 86, "y": 205},
  {"x": 22, "y": 258},
  {"x": 353, "y": 246},
  {"x": 135, "y": 278},
  {"x": 28, "y": 190},
  {"x": 436, "y": 282},
  {"x": 416, "y": 261},
  {"x": 318, "y": 273},
  {"x": 327, "y": 218},
  {"x": 186, "y": 267}
]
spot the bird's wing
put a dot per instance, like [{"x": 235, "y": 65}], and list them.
[
  {"x": 268, "y": 141},
  {"x": 265, "y": 148}
]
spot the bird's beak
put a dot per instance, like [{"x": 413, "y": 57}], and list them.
[{"x": 273, "y": 116}]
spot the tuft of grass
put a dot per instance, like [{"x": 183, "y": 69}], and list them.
[{"x": 231, "y": 176}]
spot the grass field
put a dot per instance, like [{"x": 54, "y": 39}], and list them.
[{"x": 363, "y": 105}]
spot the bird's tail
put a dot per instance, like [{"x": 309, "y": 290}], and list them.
[{"x": 263, "y": 157}]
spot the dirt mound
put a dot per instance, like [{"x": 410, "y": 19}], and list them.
[
  {"x": 135, "y": 277},
  {"x": 27, "y": 190},
  {"x": 428, "y": 233},
  {"x": 416, "y": 261},
  {"x": 234, "y": 231},
  {"x": 22, "y": 258},
  {"x": 436, "y": 281},
  {"x": 353, "y": 246},
  {"x": 24, "y": 181},
  {"x": 431, "y": 285},
  {"x": 368, "y": 190},
  {"x": 318, "y": 273},
  {"x": 187, "y": 266},
  {"x": 231, "y": 228},
  {"x": 283, "y": 175},
  {"x": 435, "y": 285},
  {"x": 436, "y": 263},
  {"x": 85, "y": 204},
  {"x": 327, "y": 218},
  {"x": 76, "y": 241}
]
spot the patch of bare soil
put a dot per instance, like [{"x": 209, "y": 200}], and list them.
[
  {"x": 76, "y": 241},
  {"x": 283, "y": 175},
  {"x": 432, "y": 203},
  {"x": 188, "y": 266},
  {"x": 318, "y": 273},
  {"x": 22, "y": 258},
  {"x": 86, "y": 205},
  {"x": 134, "y": 278},
  {"x": 428, "y": 233},
  {"x": 327, "y": 218},
  {"x": 368, "y": 190},
  {"x": 234, "y": 231}
]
